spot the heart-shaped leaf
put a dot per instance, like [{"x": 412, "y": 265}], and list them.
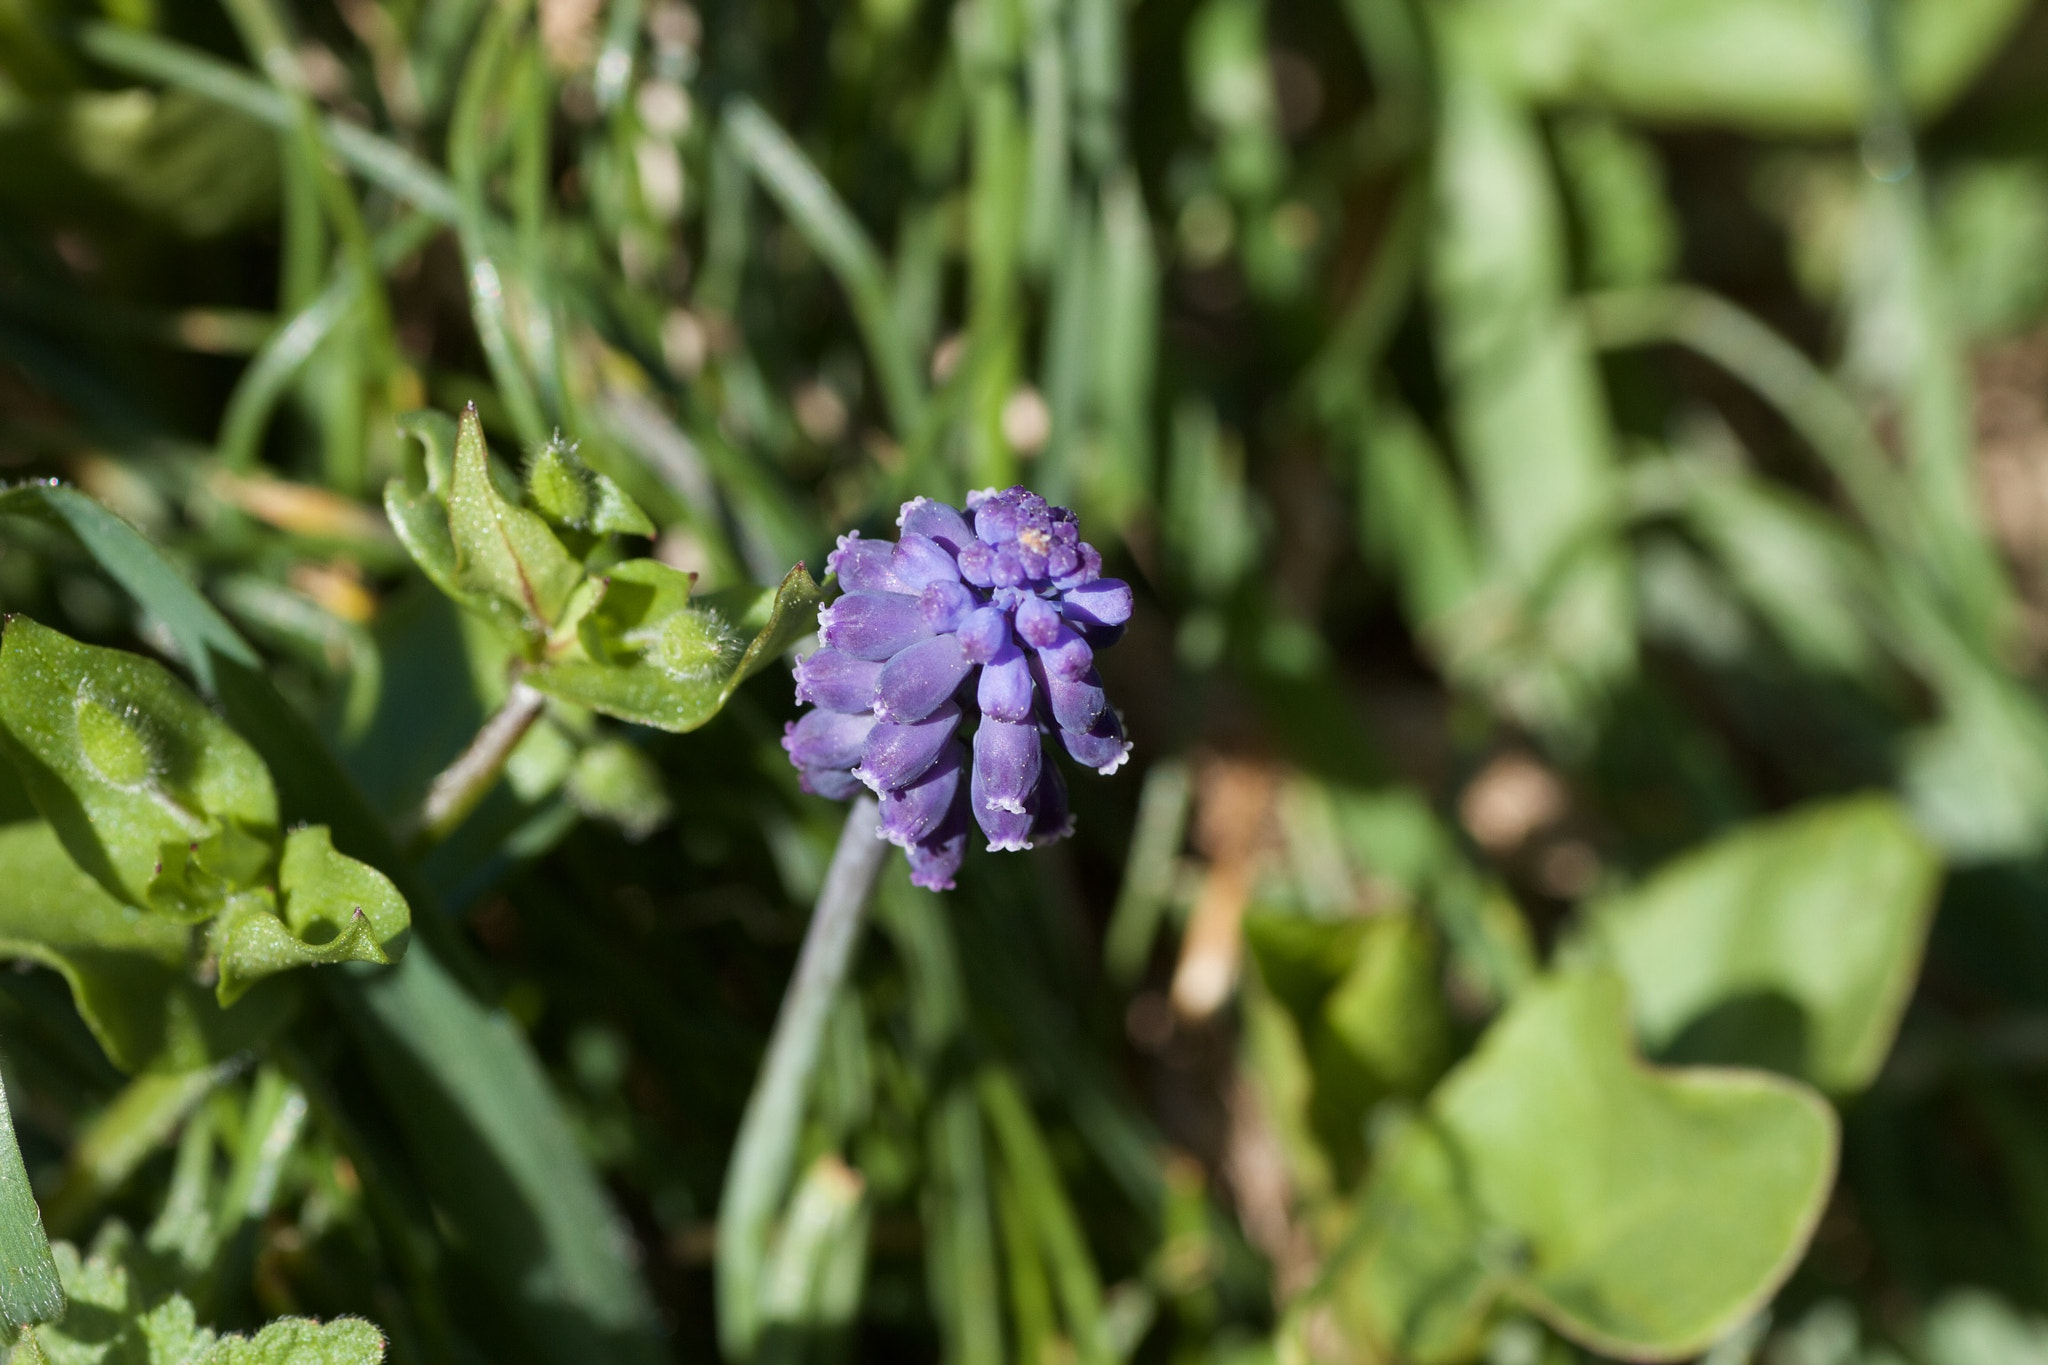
[
  {"x": 1792, "y": 943},
  {"x": 646, "y": 652},
  {"x": 128, "y": 972},
  {"x": 1640, "y": 1212},
  {"x": 150, "y": 791},
  {"x": 329, "y": 908}
]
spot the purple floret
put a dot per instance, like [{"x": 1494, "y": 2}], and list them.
[{"x": 952, "y": 656}]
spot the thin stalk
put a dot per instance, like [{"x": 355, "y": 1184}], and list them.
[
  {"x": 1811, "y": 403},
  {"x": 764, "y": 1154},
  {"x": 463, "y": 783}
]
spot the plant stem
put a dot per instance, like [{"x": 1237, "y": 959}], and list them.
[
  {"x": 465, "y": 782},
  {"x": 765, "y": 1151}
]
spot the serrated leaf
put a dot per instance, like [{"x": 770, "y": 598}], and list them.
[
  {"x": 1792, "y": 943},
  {"x": 329, "y": 908},
  {"x": 150, "y": 791},
  {"x": 302, "y": 1341},
  {"x": 1642, "y": 1213},
  {"x": 127, "y": 970},
  {"x": 124, "y": 1312},
  {"x": 504, "y": 550},
  {"x": 647, "y": 653}
]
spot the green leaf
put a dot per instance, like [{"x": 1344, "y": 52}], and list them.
[
  {"x": 302, "y": 1341},
  {"x": 547, "y": 1251},
  {"x": 504, "y": 550},
  {"x": 330, "y": 908},
  {"x": 29, "y": 1288},
  {"x": 1771, "y": 66},
  {"x": 574, "y": 496},
  {"x": 1363, "y": 998},
  {"x": 149, "y": 790},
  {"x": 528, "y": 1210},
  {"x": 615, "y": 782},
  {"x": 205, "y": 640},
  {"x": 647, "y": 653},
  {"x": 1527, "y": 404},
  {"x": 1642, "y": 1213},
  {"x": 127, "y": 971},
  {"x": 123, "y": 1312},
  {"x": 1792, "y": 943}
]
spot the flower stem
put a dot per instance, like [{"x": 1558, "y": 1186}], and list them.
[
  {"x": 765, "y": 1152},
  {"x": 466, "y": 781}
]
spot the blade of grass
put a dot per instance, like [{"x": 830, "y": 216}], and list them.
[
  {"x": 1816, "y": 408},
  {"x": 278, "y": 362},
  {"x": 764, "y": 1152},
  {"x": 264, "y": 34},
  {"x": 962, "y": 1265},
  {"x": 29, "y": 1291},
  {"x": 122, "y": 1136},
  {"x": 376, "y": 159},
  {"x": 1029, "y": 1163},
  {"x": 829, "y": 226},
  {"x": 468, "y": 159},
  {"x": 1148, "y": 871}
]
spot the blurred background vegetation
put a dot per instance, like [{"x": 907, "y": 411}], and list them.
[{"x": 1584, "y": 469}]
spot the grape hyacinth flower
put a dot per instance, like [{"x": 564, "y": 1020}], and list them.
[{"x": 952, "y": 654}]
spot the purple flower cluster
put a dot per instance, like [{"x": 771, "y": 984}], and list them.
[{"x": 993, "y": 624}]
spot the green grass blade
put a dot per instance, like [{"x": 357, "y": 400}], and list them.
[
  {"x": 764, "y": 1154},
  {"x": 829, "y": 226},
  {"x": 29, "y": 1291},
  {"x": 376, "y": 159}
]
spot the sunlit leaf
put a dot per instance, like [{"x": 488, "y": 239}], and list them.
[
  {"x": 1791, "y": 944},
  {"x": 648, "y": 653},
  {"x": 577, "y": 498},
  {"x": 29, "y": 1288},
  {"x": 150, "y": 791},
  {"x": 1642, "y": 1213},
  {"x": 1771, "y": 66},
  {"x": 329, "y": 908},
  {"x": 501, "y": 548}
]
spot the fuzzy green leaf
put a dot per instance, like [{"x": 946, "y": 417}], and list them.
[
  {"x": 150, "y": 791},
  {"x": 1642, "y": 1213},
  {"x": 123, "y": 1312},
  {"x": 504, "y": 550},
  {"x": 330, "y": 908},
  {"x": 647, "y": 653},
  {"x": 576, "y": 497}
]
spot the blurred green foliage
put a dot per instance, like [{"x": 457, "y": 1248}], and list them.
[{"x": 1584, "y": 470}]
